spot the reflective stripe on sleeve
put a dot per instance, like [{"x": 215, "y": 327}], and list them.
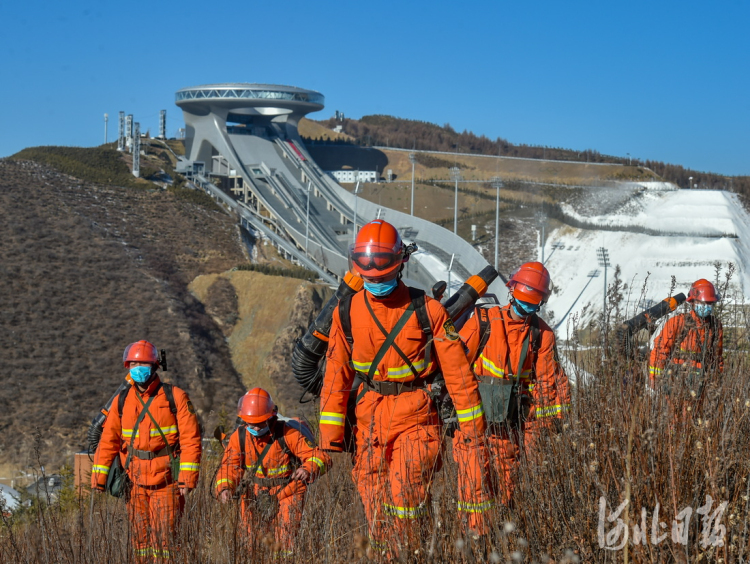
[
  {"x": 654, "y": 371},
  {"x": 98, "y": 468},
  {"x": 470, "y": 414},
  {"x": 189, "y": 466},
  {"x": 224, "y": 481},
  {"x": 331, "y": 418},
  {"x": 319, "y": 462}
]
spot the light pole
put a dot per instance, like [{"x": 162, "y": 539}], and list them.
[
  {"x": 497, "y": 183},
  {"x": 450, "y": 267},
  {"x": 413, "y": 160},
  {"x": 455, "y": 175},
  {"x": 106, "y": 120},
  {"x": 690, "y": 182},
  {"x": 307, "y": 217},
  {"x": 602, "y": 254},
  {"x": 542, "y": 223},
  {"x": 356, "y": 192},
  {"x": 629, "y": 160}
]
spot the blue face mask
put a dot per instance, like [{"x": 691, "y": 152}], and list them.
[
  {"x": 381, "y": 289},
  {"x": 703, "y": 310},
  {"x": 259, "y": 432},
  {"x": 140, "y": 374},
  {"x": 524, "y": 309}
]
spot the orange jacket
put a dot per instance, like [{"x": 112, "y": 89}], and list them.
[
  {"x": 277, "y": 463},
  {"x": 542, "y": 379},
  {"x": 183, "y": 429},
  {"x": 342, "y": 360},
  {"x": 692, "y": 332}
]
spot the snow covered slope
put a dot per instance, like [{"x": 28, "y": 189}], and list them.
[{"x": 652, "y": 228}]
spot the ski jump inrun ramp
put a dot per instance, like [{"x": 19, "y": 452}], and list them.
[{"x": 246, "y": 134}]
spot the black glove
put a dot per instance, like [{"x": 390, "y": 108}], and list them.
[{"x": 266, "y": 505}]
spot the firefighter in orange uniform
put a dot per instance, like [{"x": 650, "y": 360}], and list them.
[
  {"x": 152, "y": 428},
  {"x": 690, "y": 344},
  {"x": 513, "y": 345},
  {"x": 280, "y": 461},
  {"x": 394, "y": 338}
]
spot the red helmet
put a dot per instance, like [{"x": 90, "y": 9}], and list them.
[
  {"x": 142, "y": 351},
  {"x": 256, "y": 406},
  {"x": 702, "y": 290},
  {"x": 378, "y": 250},
  {"x": 530, "y": 283}
]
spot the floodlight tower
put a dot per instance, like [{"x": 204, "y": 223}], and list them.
[
  {"x": 136, "y": 146},
  {"x": 163, "y": 124},
  {"x": 497, "y": 183},
  {"x": 121, "y": 133},
  {"x": 602, "y": 254},
  {"x": 106, "y": 120},
  {"x": 413, "y": 161},
  {"x": 455, "y": 175},
  {"x": 129, "y": 132},
  {"x": 542, "y": 219}
]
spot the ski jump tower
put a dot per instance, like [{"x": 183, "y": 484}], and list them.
[{"x": 244, "y": 137}]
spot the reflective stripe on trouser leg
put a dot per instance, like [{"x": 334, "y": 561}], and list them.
[
  {"x": 476, "y": 494},
  {"x": 414, "y": 461},
  {"x": 154, "y": 515}
]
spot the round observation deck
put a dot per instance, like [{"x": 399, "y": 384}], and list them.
[{"x": 246, "y": 98}]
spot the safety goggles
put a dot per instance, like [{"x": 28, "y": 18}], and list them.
[{"x": 376, "y": 261}]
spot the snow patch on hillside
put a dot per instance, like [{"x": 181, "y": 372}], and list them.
[{"x": 703, "y": 218}]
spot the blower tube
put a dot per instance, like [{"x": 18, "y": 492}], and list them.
[
  {"x": 630, "y": 327},
  {"x": 96, "y": 427},
  {"x": 311, "y": 348},
  {"x": 471, "y": 290}
]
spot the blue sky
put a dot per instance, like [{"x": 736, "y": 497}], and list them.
[{"x": 660, "y": 80}]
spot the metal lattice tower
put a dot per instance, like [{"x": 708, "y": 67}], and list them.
[
  {"x": 163, "y": 124},
  {"x": 137, "y": 151},
  {"x": 121, "y": 133},
  {"x": 129, "y": 132}
]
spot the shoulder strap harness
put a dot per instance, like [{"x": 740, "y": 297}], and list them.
[{"x": 418, "y": 305}]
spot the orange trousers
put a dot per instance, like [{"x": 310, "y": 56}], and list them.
[
  {"x": 154, "y": 513},
  {"x": 398, "y": 454},
  {"x": 285, "y": 525}
]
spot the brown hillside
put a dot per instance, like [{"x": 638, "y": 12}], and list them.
[
  {"x": 84, "y": 270},
  {"x": 261, "y": 316}
]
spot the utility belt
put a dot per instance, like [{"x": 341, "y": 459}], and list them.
[
  {"x": 150, "y": 455},
  {"x": 388, "y": 388}
]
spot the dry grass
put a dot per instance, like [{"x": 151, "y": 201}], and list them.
[
  {"x": 617, "y": 443},
  {"x": 475, "y": 167}
]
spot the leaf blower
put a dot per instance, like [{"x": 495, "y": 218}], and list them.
[{"x": 624, "y": 333}]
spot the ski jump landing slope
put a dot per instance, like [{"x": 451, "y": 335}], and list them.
[
  {"x": 653, "y": 232},
  {"x": 250, "y": 131}
]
